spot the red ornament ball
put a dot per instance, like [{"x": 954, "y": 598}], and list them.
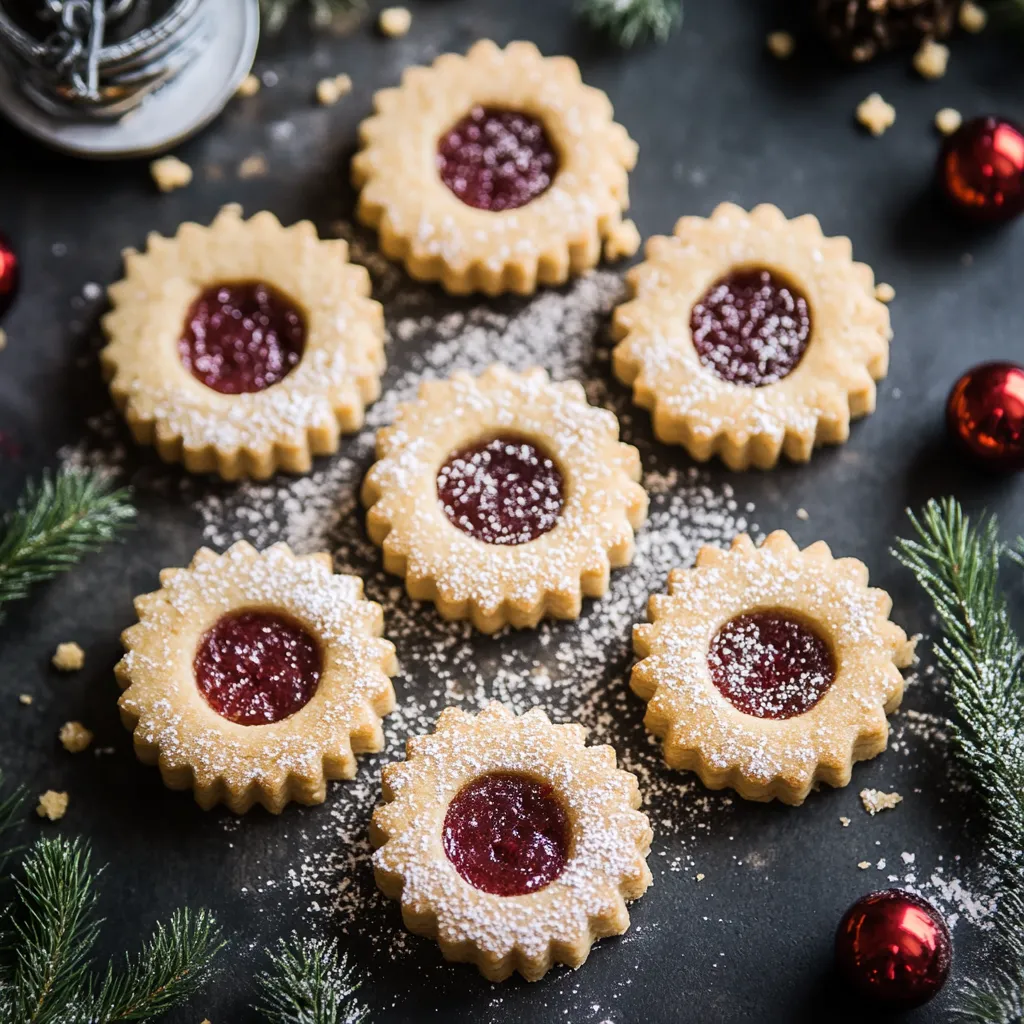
[
  {"x": 985, "y": 414},
  {"x": 894, "y": 948},
  {"x": 981, "y": 169},
  {"x": 10, "y": 274}
]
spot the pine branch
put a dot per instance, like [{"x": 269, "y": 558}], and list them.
[
  {"x": 10, "y": 814},
  {"x": 308, "y": 983},
  {"x": 54, "y": 525},
  {"x": 321, "y": 12},
  {"x": 632, "y": 21},
  {"x": 45, "y": 956},
  {"x": 174, "y": 964},
  {"x": 957, "y": 563}
]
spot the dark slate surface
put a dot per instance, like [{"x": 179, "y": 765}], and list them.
[{"x": 716, "y": 119}]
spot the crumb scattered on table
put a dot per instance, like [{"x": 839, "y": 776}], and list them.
[
  {"x": 700, "y": 876},
  {"x": 170, "y": 173},
  {"x": 622, "y": 242},
  {"x": 931, "y": 59},
  {"x": 25, "y": 698},
  {"x": 874, "y": 800},
  {"x": 864, "y": 865},
  {"x": 395, "y": 21},
  {"x": 947, "y": 120},
  {"x": 69, "y": 657},
  {"x": 973, "y": 18},
  {"x": 875, "y": 114},
  {"x": 52, "y": 805},
  {"x": 249, "y": 87},
  {"x": 74, "y": 737},
  {"x": 254, "y": 166},
  {"x": 802, "y": 513},
  {"x": 884, "y": 292},
  {"x": 330, "y": 90},
  {"x": 781, "y": 44},
  {"x": 844, "y": 821}
]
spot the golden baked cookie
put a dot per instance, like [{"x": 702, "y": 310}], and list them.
[
  {"x": 245, "y": 347},
  {"x": 750, "y": 336},
  {"x": 504, "y": 498},
  {"x": 497, "y": 171},
  {"x": 510, "y": 842},
  {"x": 253, "y": 677},
  {"x": 770, "y": 669}
]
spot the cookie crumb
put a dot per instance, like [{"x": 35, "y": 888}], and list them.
[
  {"x": 170, "y": 173},
  {"x": 884, "y": 292},
  {"x": 874, "y": 800},
  {"x": 254, "y": 166},
  {"x": 864, "y": 865},
  {"x": 700, "y": 876},
  {"x": 330, "y": 90},
  {"x": 395, "y": 21},
  {"x": 781, "y": 45},
  {"x": 249, "y": 87},
  {"x": 973, "y": 18},
  {"x": 74, "y": 737},
  {"x": 52, "y": 805},
  {"x": 931, "y": 59},
  {"x": 844, "y": 821},
  {"x": 875, "y": 114},
  {"x": 69, "y": 657},
  {"x": 622, "y": 242},
  {"x": 947, "y": 120},
  {"x": 25, "y": 699},
  {"x": 802, "y": 513}
]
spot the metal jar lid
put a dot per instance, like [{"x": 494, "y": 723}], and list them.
[{"x": 63, "y": 82}]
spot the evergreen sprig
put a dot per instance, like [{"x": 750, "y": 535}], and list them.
[
  {"x": 632, "y": 21},
  {"x": 957, "y": 562},
  {"x": 46, "y": 974},
  {"x": 308, "y": 983},
  {"x": 54, "y": 524},
  {"x": 321, "y": 12}
]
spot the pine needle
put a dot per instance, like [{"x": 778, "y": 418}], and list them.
[
  {"x": 308, "y": 983},
  {"x": 632, "y": 21},
  {"x": 957, "y": 563},
  {"x": 55, "y": 523}
]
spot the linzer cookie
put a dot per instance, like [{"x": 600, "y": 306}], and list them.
[
  {"x": 245, "y": 347},
  {"x": 510, "y": 842},
  {"x": 255, "y": 677},
  {"x": 750, "y": 336},
  {"x": 770, "y": 669},
  {"x": 504, "y": 498}
]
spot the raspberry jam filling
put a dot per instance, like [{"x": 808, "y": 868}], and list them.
[
  {"x": 771, "y": 665},
  {"x": 242, "y": 337},
  {"x": 507, "y": 834},
  {"x": 256, "y": 667},
  {"x": 496, "y": 159},
  {"x": 751, "y": 327},
  {"x": 503, "y": 491}
]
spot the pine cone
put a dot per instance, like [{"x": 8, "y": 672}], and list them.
[{"x": 859, "y": 29}]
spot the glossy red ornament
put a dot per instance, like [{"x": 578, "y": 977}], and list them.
[
  {"x": 10, "y": 274},
  {"x": 894, "y": 948},
  {"x": 985, "y": 413},
  {"x": 981, "y": 169}
]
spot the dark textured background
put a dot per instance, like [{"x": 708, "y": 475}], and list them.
[{"x": 716, "y": 119}]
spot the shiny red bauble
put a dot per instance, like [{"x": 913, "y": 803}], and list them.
[
  {"x": 10, "y": 274},
  {"x": 981, "y": 169},
  {"x": 985, "y": 415},
  {"x": 894, "y": 948}
]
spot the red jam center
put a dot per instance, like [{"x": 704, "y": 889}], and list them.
[
  {"x": 242, "y": 337},
  {"x": 507, "y": 834},
  {"x": 503, "y": 491},
  {"x": 254, "y": 667},
  {"x": 496, "y": 159},
  {"x": 751, "y": 327},
  {"x": 771, "y": 665}
]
